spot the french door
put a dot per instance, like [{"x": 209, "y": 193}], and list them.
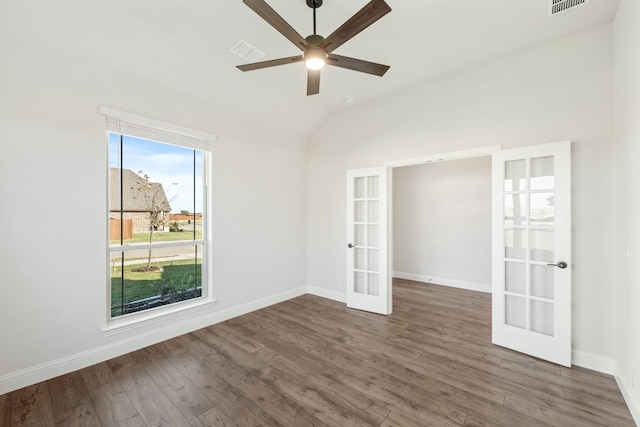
[
  {"x": 531, "y": 306},
  {"x": 368, "y": 281}
]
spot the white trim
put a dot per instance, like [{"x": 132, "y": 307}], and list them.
[
  {"x": 64, "y": 365},
  {"x": 131, "y": 322},
  {"x": 157, "y": 124},
  {"x": 328, "y": 294},
  {"x": 452, "y": 155},
  {"x": 592, "y": 361},
  {"x": 627, "y": 393},
  {"x": 441, "y": 281}
]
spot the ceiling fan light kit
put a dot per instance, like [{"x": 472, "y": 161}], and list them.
[
  {"x": 317, "y": 50},
  {"x": 315, "y": 59}
]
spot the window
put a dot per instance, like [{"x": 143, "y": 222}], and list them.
[{"x": 157, "y": 214}]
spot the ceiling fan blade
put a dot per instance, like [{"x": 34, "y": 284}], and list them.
[
  {"x": 313, "y": 82},
  {"x": 366, "y": 16},
  {"x": 270, "y": 63},
  {"x": 357, "y": 64},
  {"x": 276, "y": 21}
]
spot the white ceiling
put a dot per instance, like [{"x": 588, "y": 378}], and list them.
[{"x": 184, "y": 45}]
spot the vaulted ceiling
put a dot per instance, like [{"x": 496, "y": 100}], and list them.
[{"x": 184, "y": 45}]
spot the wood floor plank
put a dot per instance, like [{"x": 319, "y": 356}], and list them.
[
  {"x": 562, "y": 413},
  {"x": 202, "y": 372},
  {"x": 403, "y": 419},
  {"x": 70, "y": 401},
  {"x": 114, "y": 408},
  {"x": 311, "y": 361},
  {"x": 152, "y": 404},
  {"x": 213, "y": 417},
  {"x": 111, "y": 403},
  {"x": 501, "y": 416},
  {"x": 401, "y": 394},
  {"x": 246, "y": 374},
  {"x": 5, "y": 410},
  {"x": 31, "y": 406},
  {"x": 177, "y": 387}
]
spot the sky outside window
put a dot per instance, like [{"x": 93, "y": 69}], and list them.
[{"x": 169, "y": 165}]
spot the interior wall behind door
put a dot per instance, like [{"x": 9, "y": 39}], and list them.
[{"x": 442, "y": 222}]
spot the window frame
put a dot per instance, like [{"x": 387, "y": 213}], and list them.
[{"x": 127, "y": 124}]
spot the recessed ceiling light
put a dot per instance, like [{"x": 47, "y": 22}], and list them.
[{"x": 350, "y": 99}]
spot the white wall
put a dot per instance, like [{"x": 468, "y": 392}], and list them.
[
  {"x": 53, "y": 186},
  {"x": 627, "y": 149},
  {"x": 442, "y": 222},
  {"x": 557, "y": 91}
]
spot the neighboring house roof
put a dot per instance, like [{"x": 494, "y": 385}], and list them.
[{"x": 134, "y": 200}]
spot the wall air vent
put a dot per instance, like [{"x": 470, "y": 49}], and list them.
[
  {"x": 246, "y": 51},
  {"x": 560, "y": 6}
]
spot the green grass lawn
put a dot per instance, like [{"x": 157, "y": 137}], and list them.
[
  {"x": 137, "y": 286},
  {"x": 162, "y": 236}
]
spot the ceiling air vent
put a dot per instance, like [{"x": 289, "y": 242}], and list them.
[
  {"x": 560, "y": 6},
  {"x": 246, "y": 51}
]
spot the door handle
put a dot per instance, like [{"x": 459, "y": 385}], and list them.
[
  {"x": 351, "y": 246},
  {"x": 559, "y": 264}
]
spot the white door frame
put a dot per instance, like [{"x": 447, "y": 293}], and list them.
[{"x": 413, "y": 161}]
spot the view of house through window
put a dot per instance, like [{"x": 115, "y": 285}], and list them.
[{"x": 156, "y": 213}]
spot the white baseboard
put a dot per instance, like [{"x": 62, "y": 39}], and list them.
[
  {"x": 593, "y": 361},
  {"x": 461, "y": 284},
  {"x": 628, "y": 393},
  {"x": 325, "y": 293},
  {"x": 48, "y": 370}
]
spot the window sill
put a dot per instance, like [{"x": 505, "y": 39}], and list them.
[{"x": 154, "y": 316}]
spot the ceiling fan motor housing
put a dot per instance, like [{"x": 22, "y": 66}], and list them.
[
  {"x": 314, "y": 40},
  {"x": 318, "y": 3}
]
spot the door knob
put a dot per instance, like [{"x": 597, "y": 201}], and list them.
[
  {"x": 559, "y": 264},
  {"x": 351, "y": 246}
]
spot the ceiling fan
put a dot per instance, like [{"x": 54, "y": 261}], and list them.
[{"x": 317, "y": 50}]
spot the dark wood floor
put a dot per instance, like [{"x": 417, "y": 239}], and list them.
[{"x": 311, "y": 361}]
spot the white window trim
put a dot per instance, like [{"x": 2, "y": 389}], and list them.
[
  {"x": 120, "y": 118},
  {"x": 143, "y": 127}
]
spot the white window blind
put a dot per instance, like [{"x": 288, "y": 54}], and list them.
[{"x": 156, "y": 130}]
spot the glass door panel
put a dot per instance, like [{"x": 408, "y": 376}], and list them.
[
  {"x": 359, "y": 235},
  {"x": 542, "y": 210},
  {"x": 528, "y": 238},
  {"x": 515, "y": 209},
  {"x": 515, "y": 175},
  {"x": 515, "y": 243},
  {"x": 542, "y": 176},
  {"x": 366, "y": 230},
  {"x": 541, "y": 245},
  {"x": 515, "y": 311},
  {"x": 359, "y": 188},
  {"x": 360, "y": 282},
  {"x": 542, "y": 281},
  {"x": 542, "y": 317},
  {"x": 515, "y": 277},
  {"x": 373, "y": 231}
]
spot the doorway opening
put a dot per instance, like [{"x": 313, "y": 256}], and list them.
[
  {"x": 436, "y": 234},
  {"x": 442, "y": 223}
]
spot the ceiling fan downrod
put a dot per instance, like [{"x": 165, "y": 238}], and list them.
[{"x": 314, "y": 4}]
